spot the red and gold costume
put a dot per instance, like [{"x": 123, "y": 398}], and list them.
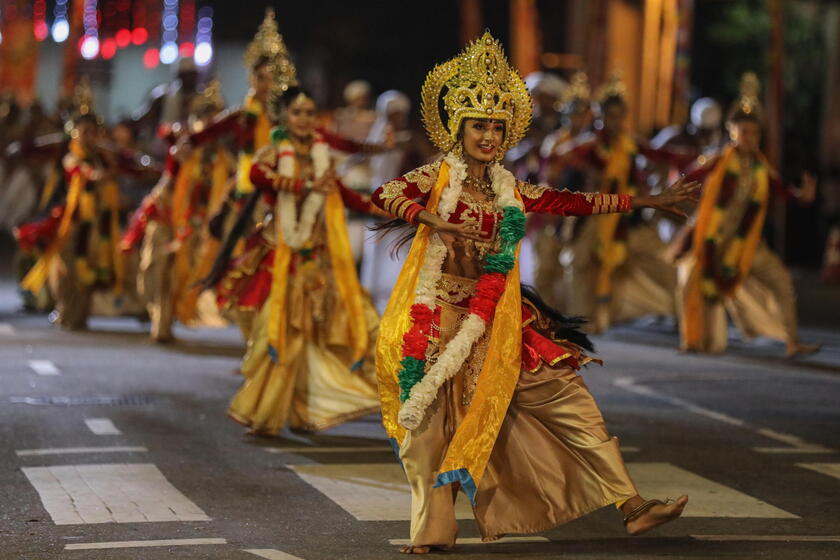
[
  {"x": 173, "y": 224},
  {"x": 309, "y": 363},
  {"x": 514, "y": 425}
]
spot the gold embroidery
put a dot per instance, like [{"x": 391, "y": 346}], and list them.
[
  {"x": 530, "y": 190},
  {"x": 455, "y": 289},
  {"x": 425, "y": 176}
]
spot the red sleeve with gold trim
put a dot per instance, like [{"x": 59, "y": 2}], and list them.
[
  {"x": 264, "y": 173},
  {"x": 226, "y": 122},
  {"x": 354, "y": 200},
  {"x": 546, "y": 200},
  {"x": 406, "y": 196}
]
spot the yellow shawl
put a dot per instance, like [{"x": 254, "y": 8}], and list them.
[
  {"x": 262, "y": 136},
  {"x": 611, "y": 252}
]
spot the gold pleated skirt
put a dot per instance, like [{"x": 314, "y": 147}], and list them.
[
  {"x": 314, "y": 386},
  {"x": 553, "y": 460}
]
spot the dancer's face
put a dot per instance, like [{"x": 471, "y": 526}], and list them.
[
  {"x": 614, "y": 117},
  {"x": 261, "y": 82},
  {"x": 746, "y": 135},
  {"x": 301, "y": 116},
  {"x": 483, "y": 138},
  {"x": 86, "y": 133}
]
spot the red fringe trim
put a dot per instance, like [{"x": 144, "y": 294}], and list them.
[{"x": 488, "y": 291}]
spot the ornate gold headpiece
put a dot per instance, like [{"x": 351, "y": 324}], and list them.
[
  {"x": 209, "y": 99},
  {"x": 748, "y": 102},
  {"x": 613, "y": 87},
  {"x": 268, "y": 44},
  {"x": 578, "y": 89},
  {"x": 479, "y": 83}
]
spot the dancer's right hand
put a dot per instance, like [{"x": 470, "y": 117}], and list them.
[{"x": 442, "y": 226}]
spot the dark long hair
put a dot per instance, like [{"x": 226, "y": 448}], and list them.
[
  {"x": 220, "y": 265},
  {"x": 563, "y": 327}
]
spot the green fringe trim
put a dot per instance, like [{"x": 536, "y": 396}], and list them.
[
  {"x": 499, "y": 262},
  {"x": 411, "y": 373},
  {"x": 512, "y": 229}
]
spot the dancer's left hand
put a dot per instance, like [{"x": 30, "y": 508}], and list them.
[{"x": 671, "y": 198}]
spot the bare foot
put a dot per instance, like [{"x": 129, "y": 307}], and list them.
[
  {"x": 411, "y": 549},
  {"x": 797, "y": 349},
  {"x": 656, "y": 515}
]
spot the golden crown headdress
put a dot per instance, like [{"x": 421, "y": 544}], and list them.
[
  {"x": 578, "y": 89},
  {"x": 613, "y": 87},
  {"x": 268, "y": 44},
  {"x": 748, "y": 102},
  {"x": 479, "y": 83},
  {"x": 209, "y": 99}
]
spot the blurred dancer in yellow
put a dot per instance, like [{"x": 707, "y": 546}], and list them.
[
  {"x": 83, "y": 256},
  {"x": 173, "y": 223},
  {"x": 725, "y": 264},
  {"x": 477, "y": 380},
  {"x": 617, "y": 271},
  {"x": 310, "y": 356}
]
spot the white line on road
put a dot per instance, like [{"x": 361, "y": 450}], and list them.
[
  {"x": 7, "y": 330},
  {"x": 477, "y": 540},
  {"x": 271, "y": 554},
  {"x": 76, "y": 450},
  {"x": 102, "y": 427},
  {"x": 44, "y": 367},
  {"x": 327, "y": 449},
  {"x": 794, "y": 444},
  {"x": 143, "y": 544},
  {"x": 768, "y": 538},
  {"x": 830, "y": 469},
  {"x": 110, "y": 493}
]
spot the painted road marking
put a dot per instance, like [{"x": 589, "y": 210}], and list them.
[
  {"x": 830, "y": 469},
  {"x": 272, "y": 554},
  {"x": 768, "y": 538},
  {"x": 379, "y": 492},
  {"x": 477, "y": 540},
  {"x": 110, "y": 493},
  {"x": 328, "y": 449},
  {"x": 76, "y": 450},
  {"x": 794, "y": 444},
  {"x": 707, "y": 498},
  {"x": 7, "y": 330},
  {"x": 143, "y": 544},
  {"x": 102, "y": 427},
  {"x": 44, "y": 367}
]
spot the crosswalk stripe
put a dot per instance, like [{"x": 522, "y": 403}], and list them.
[
  {"x": 7, "y": 330},
  {"x": 110, "y": 493},
  {"x": 102, "y": 427},
  {"x": 379, "y": 492},
  {"x": 830, "y": 469},
  {"x": 477, "y": 540},
  {"x": 272, "y": 554},
  {"x": 78, "y": 450},
  {"x": 328, "y": 449},
  {"x": 44, "y": 367},
  {"x": 768, "y": 538},
  {"x": 144, "y": 544}
]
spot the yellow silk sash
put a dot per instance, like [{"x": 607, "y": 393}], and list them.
[
  {"x": 612, "y": 253},
  {"x": 262, "y": 135}
]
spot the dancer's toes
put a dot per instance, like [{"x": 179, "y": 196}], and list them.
[
  {"x": 411, "y": 549},
  {"x": 654, "y": 513}
]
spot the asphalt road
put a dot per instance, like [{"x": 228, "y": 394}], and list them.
[{"x": 111, "y": 441}]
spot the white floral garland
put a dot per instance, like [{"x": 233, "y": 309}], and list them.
[
  {"x": 424, "y": 392},
  {"x": 297, "y": 233}
]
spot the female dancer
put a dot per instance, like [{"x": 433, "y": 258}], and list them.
[
  {"x": 309, "y": 363},
  {"x": 478, "y": 384}
]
